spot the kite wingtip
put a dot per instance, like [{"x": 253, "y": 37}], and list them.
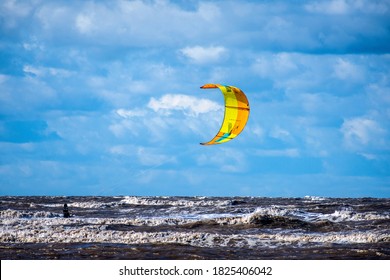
[{"x": 209, "y": 86}]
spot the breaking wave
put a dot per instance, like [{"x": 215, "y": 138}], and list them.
[
  {"x": 198, "y": 221},
  {"x": 167, "y": 201},
  {"x": 16, "y": 214}
]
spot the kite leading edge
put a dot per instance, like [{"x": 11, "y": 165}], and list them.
[{"x": 236, "y": 113}]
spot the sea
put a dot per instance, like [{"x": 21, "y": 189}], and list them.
[{"x": 193, "y": 228}]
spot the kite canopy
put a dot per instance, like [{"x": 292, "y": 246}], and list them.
[{"x": 236, "y": 113}]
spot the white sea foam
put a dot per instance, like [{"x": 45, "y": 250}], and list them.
[
  {"x": 185, "y": 217},
  {"x": 314, "y": 198},
  {"x": 15, "y": 214},
  {"x": 164, "y": 201},
  {"x": 147, "y": 201},
  {"x": 342, "y": 215},
  {"x": 275, "y": 211},
  {"x": 351, "y": 215},
  {"x": 85, "y": 204},
  {"x": 177, "y": 219},
  {"x": 47, "y": 230}
]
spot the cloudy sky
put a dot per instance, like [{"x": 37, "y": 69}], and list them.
[{"x": 103, "y": 97}]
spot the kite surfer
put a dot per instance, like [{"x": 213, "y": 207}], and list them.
[{"x": 66, "y": 211}]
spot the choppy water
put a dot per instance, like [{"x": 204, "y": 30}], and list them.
[{"x": 194, "y": 228}]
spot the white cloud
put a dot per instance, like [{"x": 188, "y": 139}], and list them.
[
  {"x": 172, "y": 24},
  {"x": 118, "y": 129},
  {"x": 146, "y": 156},
  {"x": 135, "y": 23},
  {"x": 362, "y": 133},
  {"x": 202, "y": 55},
  {"x": 380, "y": 97},
  {"x": 32, "y": 70},
  {"x": 156, "y": 122},
  {"x": 346, "y": 70},
  {"x": 279, "y": 66},
  {"x": 209, "y": 11},
  {"x": 340, "y": 7},
  {"x": 329, "y": 7},
  {"x": 188, "y": 104},
  {"x": 84, "y": 23},
  {"x": 226, "y": 159},
  {"x": 299, "y": 72},
  {"x": 3, "y": 78},
  {"x": 33, "y": 45},
  {"x": 12, "y": 11},
  {"x": 119, "y": 150},
  {"x": 129, "y": 126},
  {"x": 46, "y": 71},
  {"x": 130, "y": 113},
  {"x": 258, "y": 131},
  {"x": 153, "y": 157},
  {"x": 278, "y": 153},
  {"x": 280, "y": 133}
]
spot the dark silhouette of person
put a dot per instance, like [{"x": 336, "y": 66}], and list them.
[{"x": 66, "y": 211}]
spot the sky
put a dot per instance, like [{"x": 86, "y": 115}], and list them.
[{"x": 104, "y": 98}]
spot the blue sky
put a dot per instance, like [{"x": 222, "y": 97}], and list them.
[{"x": 103, "y": 98}]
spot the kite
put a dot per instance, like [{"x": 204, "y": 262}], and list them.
[{"x": 236, "y": 113}]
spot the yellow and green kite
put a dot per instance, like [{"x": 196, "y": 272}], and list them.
[{"x": 236, "y": 113}]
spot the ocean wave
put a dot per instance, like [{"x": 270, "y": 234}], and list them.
[
  {"x": 271, "y": 215},
  {"x": 341, "y": 215},
  {"x": 17, "y": 214},
  {"x": 167, "y": 201},
  {"x": 314, "y": 198},
  {"x": 196, "y": 221},
  {"x": 349, "y": 214},
  {"x": 59, "y": 233},
  {"x": 148, "y": 201}
]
